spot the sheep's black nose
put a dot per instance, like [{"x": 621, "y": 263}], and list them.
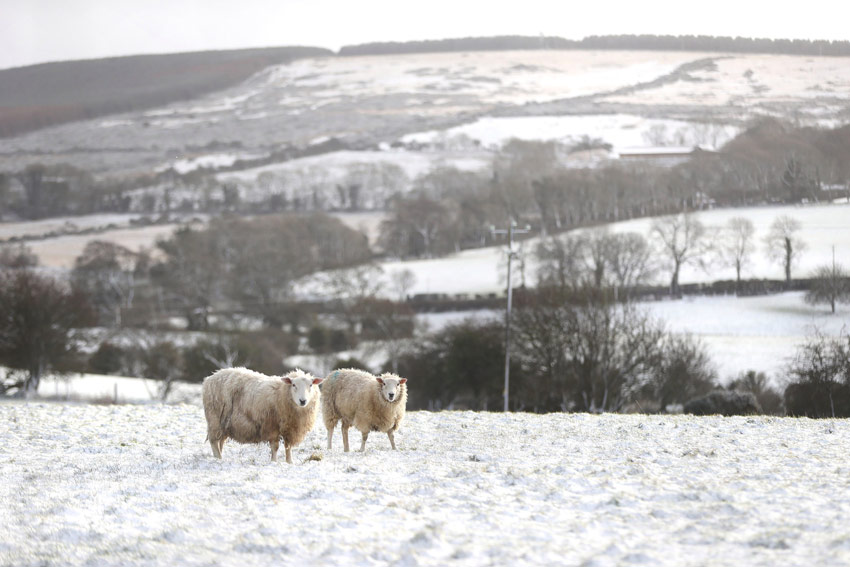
[
  {"x": 390, "y": 396},
  {"x": 303, "y": 402}
]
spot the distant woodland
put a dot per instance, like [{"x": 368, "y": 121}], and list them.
[
  {"x": 624, "y": 42},
  {"x": 45, "y": 95}
]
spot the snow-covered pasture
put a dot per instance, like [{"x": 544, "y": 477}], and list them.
[
  {"x": 61, "y": 251},
  {"x": 622, "y": 131},
  {"x": 492, "y": 77},
  {"x": 101, "y": 388},
  {"x": 751, "y": 333},
  {"x": 759, "y": 83},
  {"x": 137, "y": 485},
  {"x": 69, "y": 224},
  {"x": 482, "y": 270}
]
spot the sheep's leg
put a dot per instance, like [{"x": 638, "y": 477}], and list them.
[
  {"x": 275, "y": 445},
  {"x": 345, "y": 437},
  {"x": 392, "y": 438},
  {"x": 216, "y": 447},
  {"x": 363, "y": 444},
  {"x": 331, "y": 435},
  {"x": 288, "y": 449},
  {"x": 221, "y": 445}
]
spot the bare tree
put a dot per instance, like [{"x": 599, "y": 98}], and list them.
[
  {"x": 401, "y": 282},
  {"x": 783, "y": 245},
  {"x": 560, "y": 261},
  {"x": 683, "y": 372},
  {"x": 830, "y": 285},
  {"x": 107, "y": 271},
  {"x": 416, "y": 227},
  {"x": 193, "y": 272},
  {"x": 20, "y": 256},
  {"x": 37, "y": 316},
  {"x": 820, "y": 377},
  {"x": 629, "y": 260},
  {"x": 389, "y": 322},
  {"x": 597, "y": 252},
  {"x": 681, "y": 238},
  {"x": 758, "y": 384},
  {"x": 737, "y": 246},
  {"x": 589, "y": 355}
]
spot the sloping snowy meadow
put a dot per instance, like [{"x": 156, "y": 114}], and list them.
[{"x": 137, "y": 485}]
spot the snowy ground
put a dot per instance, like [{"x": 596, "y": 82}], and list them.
[
  {"x": 620, "y": 130},
  {"x": 137, "y": 485},
  {"x": 102, "y": 388},
  {"x": 751, "y": 333},
  {"x": 61, "y": 251}
]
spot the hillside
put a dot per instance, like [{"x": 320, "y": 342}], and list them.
[
  {"x": 39, "y": 96},
  {"x": 364, "y": 102},
  {"x": 137, "y": 485}
]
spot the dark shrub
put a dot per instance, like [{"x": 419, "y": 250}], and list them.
[
  {"x": 109, "y": 358},
  {"x": 817, "y": 400},
  {"x": 723, "y": 402}
]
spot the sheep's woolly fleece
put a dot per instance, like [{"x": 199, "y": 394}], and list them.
[{"x": 136, "y": 485}]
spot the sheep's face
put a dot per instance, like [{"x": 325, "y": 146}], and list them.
[
  {"x": 391, "y": 386},
  {"x": 302, "y": 387}
]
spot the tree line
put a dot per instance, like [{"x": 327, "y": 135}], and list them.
[
  {"x": 581, "y": 341},
  {"x": 770, "y": 162},
  {"x": 723, "y": 44}
]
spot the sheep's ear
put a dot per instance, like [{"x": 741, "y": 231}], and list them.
[
  {"x": 287, "y": 380},
  {"x": 402, "y": 380},
  {"x": 318, "y": 380},
  {"x": 379, "y": 379}
]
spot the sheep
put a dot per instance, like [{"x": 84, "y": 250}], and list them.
[
  {"x": 250, "y": 407},
  {"x": 368, "y": 402},
  {"x": 724, "y": 403}
]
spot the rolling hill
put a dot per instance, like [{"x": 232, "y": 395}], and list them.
[
  {"x": 270, "y": 104},
  {"x": 39, "y": 96}
]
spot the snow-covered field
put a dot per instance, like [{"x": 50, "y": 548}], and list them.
[
  {"x": 620, "y": 130},
  {"x": 482, "y": 270},
  {"x": 751, "y": 333},
  {"x": 64, "y": 224},
  {"x": 101, "y": 388},
  {"x": 61, "y": 251},
  {"x": 137, "y": 485},
  {"x": 752, "y": 81}
]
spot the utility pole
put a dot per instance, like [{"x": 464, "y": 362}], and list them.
[{"x": 510, "y": 231}]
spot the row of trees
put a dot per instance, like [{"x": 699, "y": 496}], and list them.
[
  {"x": 626, "y": 261},
  {"x": 449, "y": 209},
  {"x": 769, "y": 162},
  {"x": 244, "y": 265},
  {"x": 573, "y": 352},
  {"x": 625, "y": 42},
  {"x": 576, "y": 349}
]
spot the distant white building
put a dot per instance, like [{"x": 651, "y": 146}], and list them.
[{"x": 668, "y": 156}]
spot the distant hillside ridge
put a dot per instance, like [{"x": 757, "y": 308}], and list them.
[
  {"x": 38, "y": 96},
  {"x": 620, "y": 42}
]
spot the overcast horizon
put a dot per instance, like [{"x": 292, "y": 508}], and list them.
[{"x": 38, "y": 31}]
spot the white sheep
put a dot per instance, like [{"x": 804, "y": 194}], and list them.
[
  {"x": 368, "y": 402},
  {"x": 250, "y": 407}
]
